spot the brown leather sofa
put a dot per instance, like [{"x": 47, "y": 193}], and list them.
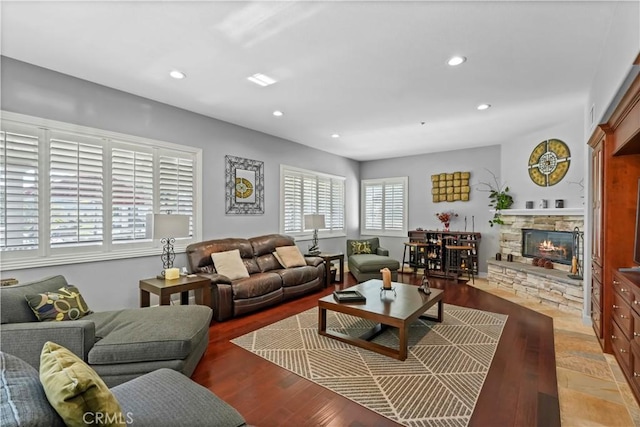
[{"x": 268, "y": 283}]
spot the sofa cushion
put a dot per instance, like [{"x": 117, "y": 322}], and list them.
[
  {"x": 229, "y": 264},
  {"x": 64, "y": 304},
  {"x": 187, "y": 403},
  {"x": 257, "y": 285},
  {"x": 297, "y": 275},
  {"x": 290, "y": 256},
  {"x": 12, "y": 298},
  {"x": 22, "y": 398},
  {"x": 148, "y": 334},
  {"x": 369, "y": 263},
  {"x": 75, "y": 390}
]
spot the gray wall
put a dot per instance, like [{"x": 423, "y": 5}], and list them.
[
  {"x": 39, "y": 92},
  {"x": 422, "y": 209}
]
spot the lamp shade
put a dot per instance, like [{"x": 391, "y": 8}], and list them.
[
  {"x": 314, "y": 222},
  {"x": 167, "y": 225}
]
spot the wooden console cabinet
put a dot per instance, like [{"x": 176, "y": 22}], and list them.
[{"x": 615, "y": 296}]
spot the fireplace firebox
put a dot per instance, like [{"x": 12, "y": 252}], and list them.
[{"x": 556, "y": 246}]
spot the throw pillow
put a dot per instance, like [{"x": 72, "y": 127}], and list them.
[
  {"x": 75, "y": 390},
  {"x": 360, "y": 247},
  {"x": 230, "y": 264},
  {"x": 65, "y": 304},
  {"x": 290, "y": 256},
  {"x": 22, "y": 398}
]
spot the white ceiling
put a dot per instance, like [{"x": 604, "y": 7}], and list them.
[{"x": 370, "y": 71}]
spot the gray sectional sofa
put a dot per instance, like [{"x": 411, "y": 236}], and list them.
[
  {"x": 162, "y": 398},
  {"x": 119, "y": 345}
]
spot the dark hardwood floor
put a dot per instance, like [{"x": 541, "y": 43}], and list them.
[{"x": 520, "y": 389}]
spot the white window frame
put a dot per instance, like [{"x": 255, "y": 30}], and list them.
[
  {"x": 383, "y": 231},
  {"x": 45, "y": 255},
  {"x": 308, "y": 234}
]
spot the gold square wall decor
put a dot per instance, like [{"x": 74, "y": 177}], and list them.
[{"x": 450, "y": 187}]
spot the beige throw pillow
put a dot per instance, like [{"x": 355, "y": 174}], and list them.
[
  {"x": 230, "y": 264},
  {"x": 290, "y": 256},
  {"x": 75, "y": 390}
]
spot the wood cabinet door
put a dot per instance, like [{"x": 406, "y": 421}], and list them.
[{"x": 597, "y": 165}]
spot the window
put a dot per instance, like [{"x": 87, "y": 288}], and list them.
[
  {"x": 384, "y": 207},
  {"x": 306, "y": 192},
  {"x": 64, "y": 186}
]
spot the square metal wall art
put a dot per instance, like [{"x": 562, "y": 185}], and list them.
[{"x": 244, "y": 186}]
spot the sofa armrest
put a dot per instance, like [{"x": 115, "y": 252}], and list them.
[
  {"x": 25, "y": 340},
  {"x": 216, "y": 278},
  {"x": 313, "y": 261},
  {"x": 382, "y": 251}
]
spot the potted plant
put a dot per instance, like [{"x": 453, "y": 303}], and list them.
[{"x": 499, "y": 198}]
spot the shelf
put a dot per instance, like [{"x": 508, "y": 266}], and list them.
[{"x": 539, "y": 212}]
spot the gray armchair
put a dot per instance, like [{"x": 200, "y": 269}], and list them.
[
  {"x": 119, "y": 345},
  {"x": 365, "y": 266}
]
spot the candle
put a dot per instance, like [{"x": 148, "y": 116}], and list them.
[
  {"x": 386, "y": 278},
  {"x": 171, "y": 273}
]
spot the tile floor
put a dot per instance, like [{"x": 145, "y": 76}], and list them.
[{"x": 591, "y": 387}]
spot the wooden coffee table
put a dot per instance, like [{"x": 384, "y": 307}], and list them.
[{"x": 399, "y": 310}]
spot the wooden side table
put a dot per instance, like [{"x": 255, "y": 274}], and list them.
[
  {"x": 328, "y": 258},
  {"x": 165, "y": 288}
]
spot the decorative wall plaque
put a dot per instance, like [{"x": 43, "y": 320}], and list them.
[
  {"x": 244, "y": 186},
  {"x": 450, "y": 187}
]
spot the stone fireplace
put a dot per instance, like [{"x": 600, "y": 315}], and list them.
[{"x": 526, "y": 234}]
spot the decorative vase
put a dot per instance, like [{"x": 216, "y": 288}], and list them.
[{"x": 446, "y": 226}]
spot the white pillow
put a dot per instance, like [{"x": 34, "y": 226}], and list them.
[
  {"x": 290, "y": 256},
  {"x": 229, "y": 264}
]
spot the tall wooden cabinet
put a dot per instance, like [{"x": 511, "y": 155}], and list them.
[{"x": 615, "y": 296}]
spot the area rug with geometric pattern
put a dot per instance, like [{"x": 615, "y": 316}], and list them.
[{"x": 437, "y": 385}]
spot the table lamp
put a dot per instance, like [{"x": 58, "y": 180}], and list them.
[
  {"x": 167, "y": 228},
  {"x": 314, "y": 222}
]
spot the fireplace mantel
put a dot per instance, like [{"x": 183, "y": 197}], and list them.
[{"x": 538, "y": 212}]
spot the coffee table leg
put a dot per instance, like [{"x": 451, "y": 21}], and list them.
[
  {"x": 402, "y": 347},
  {"x": 322, "y": 319},
  {"x": 440, "y": 308}
]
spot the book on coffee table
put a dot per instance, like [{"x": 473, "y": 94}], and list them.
[{"x": 349, "y": 296}]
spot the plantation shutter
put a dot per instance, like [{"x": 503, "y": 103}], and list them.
[
  {"x": 131, "y": 193},
  {"x": 304, "y": 193},
  {"x": 373, "y": 207},
  {"x": 19, "y": 182},
  {"x": 177, "y": 187},
  {"x": 292, "y": 189},
  {"x": 76, "y": 188},
  {"x": 336, "y": 221},
  {"x": 384, "y": 206},
  {"x": 393, "y": 206}
]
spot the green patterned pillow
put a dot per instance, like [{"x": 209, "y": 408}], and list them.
[
  {"x": 76, "y": 391},
  {"x": 360, "y": 248},
  {"x": 64, "y": 304}
]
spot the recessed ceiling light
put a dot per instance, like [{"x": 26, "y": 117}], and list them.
[
  {"x": 335, "y": 135},
  {"x": 261, "y": 79},
  {"x": 278, "y": 113},
  {"x": 456, "y": 60},
  {"x": 178, "y": 75},
  {"x": 483, "y": 106}
]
